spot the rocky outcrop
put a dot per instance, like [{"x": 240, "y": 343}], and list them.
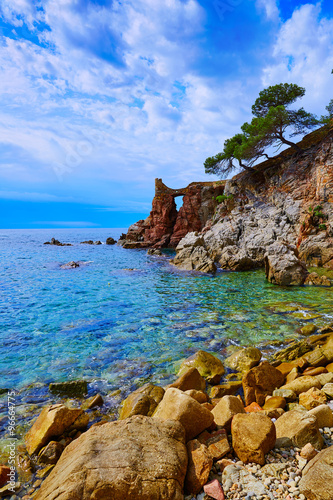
[
  {"x": 286, "y": 203},
  {"x": 137, "y": 458},
  {"x": 165, "y": 226}
]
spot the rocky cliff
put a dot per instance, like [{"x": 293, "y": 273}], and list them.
[{"x": 288, "y": 201}]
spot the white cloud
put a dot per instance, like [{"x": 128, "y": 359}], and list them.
[
  {"x": 303, "y": 55},
  {"x": 270, "y": 7}
]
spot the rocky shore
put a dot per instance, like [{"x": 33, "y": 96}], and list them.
[{"x": 238, "y": 428}]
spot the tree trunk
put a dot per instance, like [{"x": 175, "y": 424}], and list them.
[{"x": 290, "y": 143}]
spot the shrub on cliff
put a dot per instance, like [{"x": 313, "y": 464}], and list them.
[{"x": 268, "y": 127}]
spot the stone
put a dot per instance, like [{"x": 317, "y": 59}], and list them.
[
  {"x": 260, "y": 382},
  {"x": 4, "y": 475},
  {"x": 52, "y": 422},
  {"x": 209, "y": 366},
  {"x": 286, "y": 394},
  {"x": 324, "y": 416},
  {"x": 313, "y": 279},
  {"x": 308, "y": 452},
  {"x": 253, "y": 408},
  {"x": 214, "y": 490},
  {"x": 275, "y": 402},
  {"x": 236, "y": 474},
  {"x": 316, "y": 357},
  {"x": 57, "y": 243},
  {"x": 293, "y": 375},
  {"x": 285, "y": 368},
  {"x": 200, "y": 463},
  {"x": 176, "y": 405},
  {"x": 73, "y": 388},
  {"x": 228, "y": 389},
  {"x": 199, "y": 396},
  {"x": 190, "y": 379},
  {"x": 216, "y": 442},
  {"x": 282, "y": 265},
  {"x": 94, "y": 401},
  {"x": 311, "y": 372},
  {"x": 154, "y": 251},
  {"x": 110, "y": 241},
  {"x": 302, "y": 384},
  {"x": 329, "y": 367},
  {"x": 317, "y": 477},
  {"x": 253, "y": 435},
  {"x": 70, "y": 265},
  {"x": 224, "y": 411},
  {"x": 194, "y": 259},
  {"x": 244, "y": 359},
  {"x": 301, "y": 427},
  {"x": 274, "y": 469},
  {"x": 237, "y": 259},
  {"x": 292, "y": 352},
  {"x": 143, "y": 401},
  {"x": 136, "y": 458},
  {"x": 328, "y": 390},
  {"x": 324, "y": 378},
  {"x": 51, "y": 453},
  {"x": 312, "y": 398},
  {"x": 308, "y": 330}
]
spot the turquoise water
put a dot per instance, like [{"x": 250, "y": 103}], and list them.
[{"x": 117, "y": 327}]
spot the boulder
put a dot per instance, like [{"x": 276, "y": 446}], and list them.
[
  {"x": 190, "y": 379},
  {"x": 308, "y": 330},
  {"x": 209, "y": 366},
  {"x": 230, "y": 388},
  {"x": 136, "y": 458},
  {"x": 302, "y": 384},
  {"x": 72, "y": 388},
  {"x": 316, "y": 358},
  {"x": 226, "y": 408},
  {"x": 282, "y": 265},
  {"x": 143, "y": 401},
  {"x": 317, "y": 477},
  {"x": 260, "y": 382},
  {"x": 70, "y": 265},
  {"x": 274, "y": 402},
  {"x": 216, "y": 442},
  {"x": 292, "y": 352},
  {"x": 244, "y": 359},
  {"x": 253, "y": 435},
  {"x": 176, "y": 405},
  {"x": 300, "y": 427},
  {"x": 313, "y": 279},
  {"x": 52, "y": 422},
  {"x": 237, "y": 259},
  {"x": 286, "y": 394},
  {"x": 324, "y": 378},
  {"x": 110, "y": 241},
  {"x": 93, "y": 402},
  {"x": 199, "y": 396},
  {"x": 312, "y": 398},
  {"x": 194, "y": 259},
  {"x": 328, "y": 390},
  {"x": 200, "y": 463},
  {"x": 324, "y": 416}
]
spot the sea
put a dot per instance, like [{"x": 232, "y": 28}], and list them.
[{"x": 124, "y": 318}]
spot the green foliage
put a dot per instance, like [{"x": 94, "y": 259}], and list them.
[
  {"x": 325, "y": 119},
  {"x": 223, "y": 197},
  {"x": 267, "y": 128},
  {"x": 322, "y": 227}
]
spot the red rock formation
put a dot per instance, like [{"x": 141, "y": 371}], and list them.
[{"x": 162, "y": 220}]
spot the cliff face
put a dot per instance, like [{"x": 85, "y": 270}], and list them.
[
  {"x": 288, "y": 199},
  {"x": 165, "y": 226}
]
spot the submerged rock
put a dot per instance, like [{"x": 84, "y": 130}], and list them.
[
  {"x": 72, "y": 388},
  {"x": 70, "y": 265},
  {"x": 136, "y": 458},
  {"x": 208, "y": 365},
  {"x": 57, "y": 243}
]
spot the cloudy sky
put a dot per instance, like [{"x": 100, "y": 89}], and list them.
[{"x": 99, "y": 97}]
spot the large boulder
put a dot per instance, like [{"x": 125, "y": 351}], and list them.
[
  {"x": 200, "y": 463},
  {"x": 283, "y": 266},
  {"x": 143, "y": 401},
  {"x": 244, "y": 359},
  {"x": 226, "y": 408},
  {"x": 52, "y": 422},
  {"x": 208, "y": 365},
  {"x": 317, "y": 477},
  {"x": 194, "y": 259},
  {"x": 302, "y": 384},
  {"x": 176, "y": 405},
  {"x": 260, "y": 382},
  {"x": 324, "y": 416},
  {"x": 136, "y": 458},
  {"x": 253, "y": 435},
  {"x": 300, "y": 427},
  {"x": 312, "y": 398},
  {"x": 237, "y": 259}
]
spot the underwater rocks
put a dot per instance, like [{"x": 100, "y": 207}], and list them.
[
  {"x": 70, "y": 265},
  {"x": 91, "y": 242},
  {"x": 73, "y": 388}
]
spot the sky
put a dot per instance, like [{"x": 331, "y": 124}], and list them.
[{"x": 99, "y": 97}]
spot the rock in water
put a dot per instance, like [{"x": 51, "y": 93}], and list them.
[
  {"x": 317, "y": 477},
  {"x": 52, "y": 422},
  {"x": 110, "y": 241},
  {"x": 73, "y": 388},
  {"x": 209, "y": 366},
  {"x": 282, "y": 265},
  {"x": 139, "y": 459},
  {"x": 70, "y": 265},
  {"x": 253, "y": 435}
]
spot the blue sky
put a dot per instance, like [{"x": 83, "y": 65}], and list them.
[{"x": 100, "y": 97}]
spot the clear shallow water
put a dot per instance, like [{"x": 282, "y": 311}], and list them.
[{"x": 104, "y": 322}]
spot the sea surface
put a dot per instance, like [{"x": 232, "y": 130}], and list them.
[{"x": 123, "y": 317}]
